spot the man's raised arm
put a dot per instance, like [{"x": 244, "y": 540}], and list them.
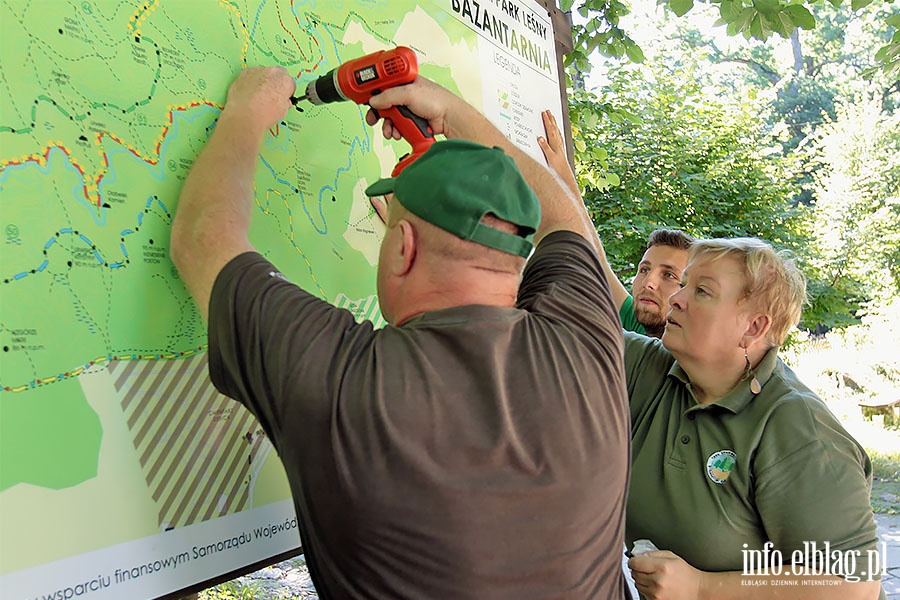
[
  {"x": 452, "y": 116},
  {"x": 553, "y": 147},
  {"x": 213, "y": 214}
]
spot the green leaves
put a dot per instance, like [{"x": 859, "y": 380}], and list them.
[
  {"x": 653, "y": 151},
  {"x": 757, "y": 19},
  {"x": 680, "y": 7},
  {"x": 600, "y": 32},
  {"x": 889, "y": 54},
  {"x": 741, "y": 22},
  {"x": 717, "y": 151},
  {"x": 800, "y": 16},
  {"x": 763, "y": 18},
  {"x": 634, "y": 52},
  {"x": 857, "y": 209}
]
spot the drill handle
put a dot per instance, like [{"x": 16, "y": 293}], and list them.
[{"x": 413, "y": 128}]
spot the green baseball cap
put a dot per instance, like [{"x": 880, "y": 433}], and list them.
[{"x": 456, "y": 183}]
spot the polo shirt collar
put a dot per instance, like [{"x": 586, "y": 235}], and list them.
[
  {"x": 740, "y": 396},
  {"x": 456, "y": 315}
]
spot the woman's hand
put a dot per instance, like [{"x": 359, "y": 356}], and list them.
[{"x": 663, "y": 575}]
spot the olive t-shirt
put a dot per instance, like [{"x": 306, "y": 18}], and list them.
[
  {"x": 473, "y": 452},
  {"x": 712, "y": 482}
]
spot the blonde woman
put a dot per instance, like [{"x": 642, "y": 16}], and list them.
[{"x": 741, "y": 475}]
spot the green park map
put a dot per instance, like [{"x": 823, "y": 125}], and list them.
[
  {"x": 103, "y": 108},
  {"x": 110, "y": 430}
]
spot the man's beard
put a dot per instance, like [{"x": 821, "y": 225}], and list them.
[{"x": 654, "y": 323}]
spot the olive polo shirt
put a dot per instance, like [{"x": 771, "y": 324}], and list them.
[
  {"x": 626, "y": 315},
  {"x": 709, "y": 481}
]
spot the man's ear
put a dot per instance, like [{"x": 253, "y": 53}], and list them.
[
  {"x": 757, "y": 328},
  {"x": 403, "y": 262}
]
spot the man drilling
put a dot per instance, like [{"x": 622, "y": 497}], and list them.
[{"x": 475, "y": 447}]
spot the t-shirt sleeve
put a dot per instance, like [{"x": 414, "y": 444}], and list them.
[
  {"x": 812, "y": 485},
  {"x": 626, "y": 315},
  {"x": 267, "y": 335},
  {"x": 647, "y": 364},
  {"x": 564, "y": 280}
]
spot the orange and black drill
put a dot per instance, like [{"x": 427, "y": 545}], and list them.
[{"x": 360, "y": 79}]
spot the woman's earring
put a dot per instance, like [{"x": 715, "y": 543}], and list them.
[{"x": 755, "y": 387}]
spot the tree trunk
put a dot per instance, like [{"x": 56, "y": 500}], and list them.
[{"x": 798, "y": 53}]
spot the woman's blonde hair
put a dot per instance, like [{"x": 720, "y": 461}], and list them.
[{"x": 773, "y": 282}]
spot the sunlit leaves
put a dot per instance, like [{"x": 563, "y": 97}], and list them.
[
  {"x": 600, "y": 32},
  {"x": 634, "y": 52},
  {"x": 889, "y": 54},
  {"x": 655, "y": 148},
  {"x": 652, "y": 151},
  {"x": 858, "y": 204},
  {"x": 681, "y": 7},
  {"x": 757, "y": 19},
  {"x": 800, "y": 16}
]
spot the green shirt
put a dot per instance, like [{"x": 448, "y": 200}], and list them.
[
  {"x": 629, "y": 321},
  {"x": 709, "y": 481}
]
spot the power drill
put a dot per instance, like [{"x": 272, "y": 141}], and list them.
[{"x": 360, "y": 79}]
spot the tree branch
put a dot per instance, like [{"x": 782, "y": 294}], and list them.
[{"x": 759, "y": 68}]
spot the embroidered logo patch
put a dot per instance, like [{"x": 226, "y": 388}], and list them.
[{"x": 720, "y": 464}]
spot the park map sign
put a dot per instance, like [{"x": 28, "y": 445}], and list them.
[{"x": 123, "y": 473}]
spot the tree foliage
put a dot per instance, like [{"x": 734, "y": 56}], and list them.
[
  {"x": 671, "y": 156},
  {"x": 857, "y": 209},
  {"x": 828, "y": 63},
  {"x": 600, "y": 32},
  {"x": 753, "y": 19},
  {"x": 732, "y": 143}
]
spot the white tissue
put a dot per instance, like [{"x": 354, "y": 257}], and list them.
[{"x": 643, "y": 547}]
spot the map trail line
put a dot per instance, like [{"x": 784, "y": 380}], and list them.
[
  {"x": 92, "y": 183},
  {"x": 91, "y": 190}
]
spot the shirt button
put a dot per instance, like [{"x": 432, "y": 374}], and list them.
[
  {"x": 685, "y": 439},
  {"x": 692, "y": 416}
]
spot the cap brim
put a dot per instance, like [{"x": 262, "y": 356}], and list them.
[{"x": 381, "y": 187}]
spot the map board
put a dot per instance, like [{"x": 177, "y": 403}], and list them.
[{"x": 123, "y": 474}]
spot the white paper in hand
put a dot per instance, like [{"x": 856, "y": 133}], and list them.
[{"x": 643, "y": 547}]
